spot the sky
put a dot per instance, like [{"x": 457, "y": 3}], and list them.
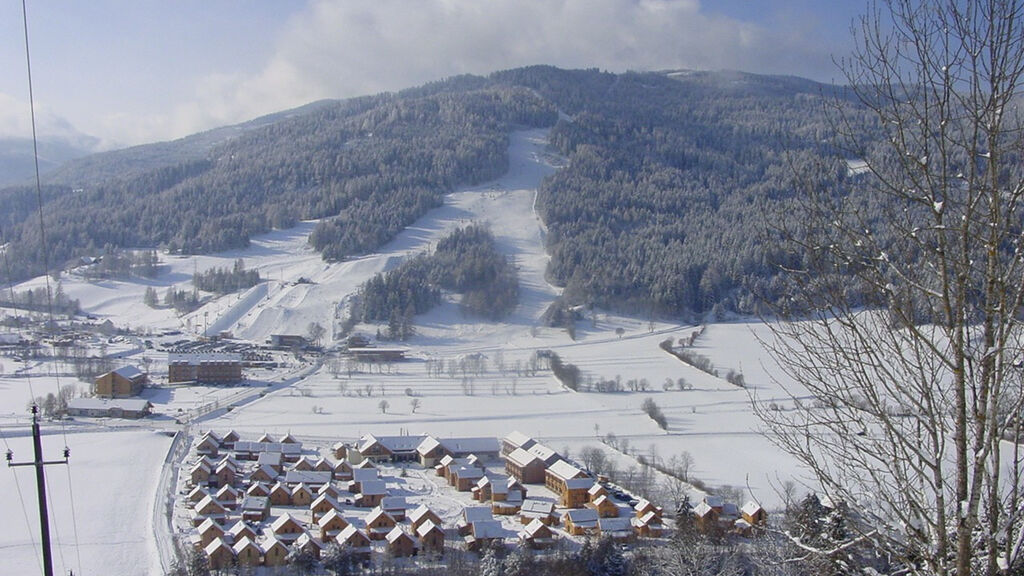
[{"x": 136, "y": 71}]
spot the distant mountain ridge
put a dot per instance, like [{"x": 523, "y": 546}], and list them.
[{"x": 668, "y": 175}]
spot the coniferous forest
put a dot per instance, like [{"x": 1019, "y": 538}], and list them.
[
  {"x": 661, "y": 207},
  {"x": 466, "y": 262}
]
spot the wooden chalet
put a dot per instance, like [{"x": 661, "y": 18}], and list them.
[
  {"x": 615, "y": 528},
  {"x": 331, "y": 524},
  {"x": 280, "y": 495},
  {"x": 286, "y": 528},
  {"x": 604, "y": 506},
  {"x": 358, "y": 542},
  {"x": 371, "y": 494},
  {"x": 208, "y": 531},
  {"x": 400, "y": 543},
  {"x": 422, "y": 514},
  {"x": 302, "y": 495},
  {"x": 537, "y": 535},
  {"x": 542, "y": 510},
  {"x": 275, "y": 552},
  {"x": 431, "y": 536},
  {"x": 124, "y": 382},
  {"x": 219, "y": 555},
  {"x": 247, "y": 552},
  {"x": 379, "y": 523},
  {"x": 754, "y": 514},
  {"x": 240, "y": 530},
  {"x": 580, "y": 521}
]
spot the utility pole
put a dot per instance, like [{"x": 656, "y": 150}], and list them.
[{"x": 44, "y": 518}]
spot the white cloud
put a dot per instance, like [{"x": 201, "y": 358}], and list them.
[{"x": 344, "y": 48}]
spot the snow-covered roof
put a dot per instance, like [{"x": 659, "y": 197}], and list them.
[
  {"x": 392, "y": 443},
  {"x": 522, "y": 458},
  {"x": 473, "y": 514},
  {"x": 519, "y": 440},
  {"x": 426, "y": 528},
  {"x": 582, "y": 516},
  {"x": 393, "y": 503},
  {"x": 312, "y": 477},
  {"x": 488, "y": 529},
  {"x": 751, "y": 508},
  {"x": 376, "y": 514},
  {"x": 396, "y": 534},
  {"x": 282, "y": 521},
  {"x": 129, "y": 404},
  {"x": 613, "y": 525},
  {"x": 564, "y": 471},
  {"x": 579, "y": 483},
  {"x": 420, "y": 511},
  {"x": 129, "y": 372},
  {"x": 244, "y": 543},
  {"x": 365, "y": 474},
  {"x": 373, "y": 488},
  {"x": 532, "y": 506},
  {"x": 544, "y": 453},
  {"x": 350, "y": 532},
  {"x": 534, "y": 527}
]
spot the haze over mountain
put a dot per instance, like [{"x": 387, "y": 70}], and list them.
[{"x": 668, "y": 180}]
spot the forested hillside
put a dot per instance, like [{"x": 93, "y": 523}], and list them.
[
  {"x": 661, "y": 209},
  {"x": 671, "y": 181},
  {"x": 369, "y": 166}
]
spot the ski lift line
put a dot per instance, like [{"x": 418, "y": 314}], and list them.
[{"x": 39, "y": 463}]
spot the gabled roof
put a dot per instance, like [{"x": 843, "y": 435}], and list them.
[
  {"x": 579, "y": 483},
  {"x": 282, "y": 521},
  {"x": 467, "y": 472},
  {"x": 544, "y": 453},
  {"x": 393, "y": 503},
  {"x": 474, "y": 514},
  {"x": 350, "y": 533},
  {"x": 373, "y": 488},
  {"x": 420, "y": 512},
  {"x": 700, "y": 510},
  {"x": 392, "y": 443},
  {"x": 311, "y": 477},
  {"x": 217, "y": 542},
  {"x": 522, "y": 458},
  {"x": 240, "y": 527},
  {"x": 396, "y": 534},
  {"x": 519, "y": 440},
  {"x": 210, "y": 524},
  {"x": 563, "y": 470},
  {"x": 751, "y": 508},
  {"x": 482, "y": 445},
  {"x": 331, "y": 516},
  {"x": 536, "y": 527},
  {"x": 270, "y": 541},
  {"x": 426, "y": 528},
  {"x": 365, "y": 474},
  {"x": 488, "y": 529},
  {"x": 129, "y": 372},
  {"x": 377, "y": 514},
  {"x": 582, "y": 516},
  {"x": 244, "y": 543},
  {"x": 533, "y": 506},
  {"x": 614, "y": 525}
]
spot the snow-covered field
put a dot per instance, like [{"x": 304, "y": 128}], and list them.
[{"x": 115, "y": 473}]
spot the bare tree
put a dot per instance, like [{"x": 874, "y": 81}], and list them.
[
  {"x": 917, "y": 284},
  {"x": 414, "y": 404}
]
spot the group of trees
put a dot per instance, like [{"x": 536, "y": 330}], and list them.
[
  {"x": 466, "y": 261},
  {"x": 224, "y": 281},
  {"x": 36, "y": 300}
]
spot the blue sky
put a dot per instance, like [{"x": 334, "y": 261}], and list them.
[{"x": 137, "y": 71}]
